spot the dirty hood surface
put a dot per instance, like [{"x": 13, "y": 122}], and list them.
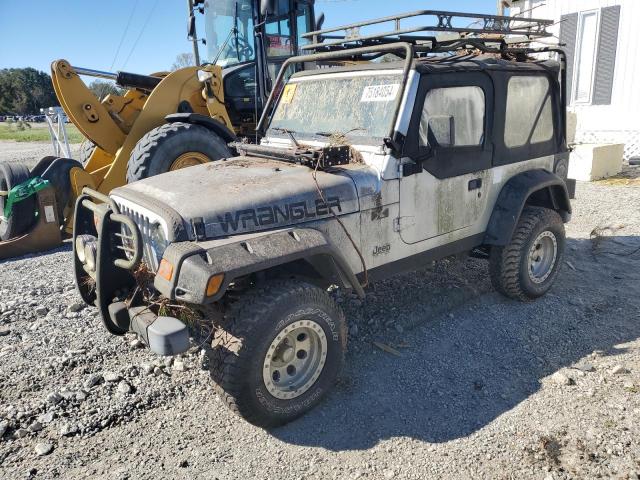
[{"x": 244, "y": 194}]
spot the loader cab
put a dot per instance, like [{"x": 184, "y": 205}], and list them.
[{"x": 251, "y": 40}]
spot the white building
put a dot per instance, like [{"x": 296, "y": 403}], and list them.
[{"x": 602, "y": 40}]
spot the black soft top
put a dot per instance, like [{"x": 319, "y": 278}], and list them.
[{"x": 466, "y": 63}]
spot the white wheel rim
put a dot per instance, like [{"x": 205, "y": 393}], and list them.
[
  {"x": 542, "y": 257},
  {"x": 295, "y": 359}
]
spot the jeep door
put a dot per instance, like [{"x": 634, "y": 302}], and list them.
[{"x": 449, "y": 136}]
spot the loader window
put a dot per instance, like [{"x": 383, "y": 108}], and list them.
[
  {"x": 220, "y": 18},
  {"x": 278, "y": 35},
  {"x": 303, "y": 24},
  {"x": 241, "y": 83}
]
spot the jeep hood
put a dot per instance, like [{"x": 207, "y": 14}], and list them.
[{"x": 240, "y": 195}]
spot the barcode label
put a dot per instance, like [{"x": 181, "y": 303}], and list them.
[{"x": 380, "y": 93}]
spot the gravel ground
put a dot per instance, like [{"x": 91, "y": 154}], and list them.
[
  {"x": 482, "y": 387},
  {"x": 29, "y": 152}
]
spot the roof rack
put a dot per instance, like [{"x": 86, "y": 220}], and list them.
[{"x": 350, "y": 36}]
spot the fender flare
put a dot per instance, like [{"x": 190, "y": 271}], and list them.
[
  {"x": 536, "y": 187},
  {"x": 194, "y": 266},
  {"x": 210, "y": 123}
]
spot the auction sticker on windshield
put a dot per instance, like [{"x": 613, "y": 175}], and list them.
[
  {"x": 380, "y": 93},
  {"x": 289, "y": 93}
]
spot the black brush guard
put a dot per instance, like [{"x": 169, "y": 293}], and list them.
[{"x": 109, "y": 285}]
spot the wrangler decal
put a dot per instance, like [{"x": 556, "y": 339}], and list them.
[{"x": 272, "y": 215}]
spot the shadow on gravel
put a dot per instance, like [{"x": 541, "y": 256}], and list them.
[
  {"x": 65, "y": 247},
  {"x": 462, "y": 372}
]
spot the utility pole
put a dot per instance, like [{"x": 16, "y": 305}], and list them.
[{"x": 194, "y": 37}]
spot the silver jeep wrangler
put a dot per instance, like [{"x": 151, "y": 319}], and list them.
[{"x": 364, "y": 170}]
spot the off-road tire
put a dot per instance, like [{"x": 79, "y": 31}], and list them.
[
  {"x": 509, "y": 264},
  {"x": 158, "y": 149},
  {"x": 242, "y": 342},
  {"x": 86, "y": 150},
  {"x": 23, "y": 215},
  {"x": 42, "y": 165}
]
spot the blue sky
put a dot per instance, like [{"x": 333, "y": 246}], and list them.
[{"x": 88, "y": 32}]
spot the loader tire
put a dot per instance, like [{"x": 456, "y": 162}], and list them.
[
  {"x": 173, "y": 146},
  {"x": 86, "y": 150},
  {"x": 42, "y": 166},
  {"x": 278, "y": 352},
  {"x": 23, "y": 213},
  {"x": 526, "y": 268}
]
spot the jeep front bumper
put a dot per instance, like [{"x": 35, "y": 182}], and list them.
[{"x": 105, "y": 257}]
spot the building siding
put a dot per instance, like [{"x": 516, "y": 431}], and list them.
[{"x": 618, "y": 121}]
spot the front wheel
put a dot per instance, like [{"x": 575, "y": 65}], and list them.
[
  {"x": 174, "y": 146},
  {"x": 279, "y": 352},
  {"x": 526, "y": 268},
  {"x": 86, "y": 150}
]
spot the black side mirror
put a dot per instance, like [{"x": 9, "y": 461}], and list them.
[
  {"x": 191, "y": 27},
  {"x": 320, "y": 22}
]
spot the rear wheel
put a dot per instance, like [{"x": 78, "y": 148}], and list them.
[
  {"x": 527, "y": 267},
  {"x": 279, "y": 352},
  {"x": 174, "y": 146},
  {"x": 23, "y": 213}
]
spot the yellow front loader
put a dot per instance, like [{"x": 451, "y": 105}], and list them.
[{"x": 163, "y": 122}]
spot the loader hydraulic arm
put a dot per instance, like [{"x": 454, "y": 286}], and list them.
[
  {"x": 105, "y": 122},
  {"x": 123, "y": 79},
  {"x": 85, "y": 110}
]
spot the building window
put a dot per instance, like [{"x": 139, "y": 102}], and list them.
[{"x": 586, "y": 56}]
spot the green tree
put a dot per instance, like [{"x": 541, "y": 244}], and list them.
[
  {"x": 183, "y": 60},
  {"x": 24, "y": 91},
  {"x": 101, "y": 89}
]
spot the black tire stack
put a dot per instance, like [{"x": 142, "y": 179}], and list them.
[{"x": 23, "y": 213}]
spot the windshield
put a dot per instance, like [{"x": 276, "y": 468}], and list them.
[
  {"x": 220, "y": 18},
  {"x": 356, "y": 106}
]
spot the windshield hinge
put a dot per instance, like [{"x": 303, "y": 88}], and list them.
[
  {"x": 396, "y": 224},
  {"x": 395, "y": 144}
]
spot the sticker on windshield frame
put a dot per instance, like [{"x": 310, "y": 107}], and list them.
[{"x": 380, "y": 93}]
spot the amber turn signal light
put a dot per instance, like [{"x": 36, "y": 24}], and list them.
[
  {"x": 214, "y": 284},
  {"x": 165, "y": 270}
]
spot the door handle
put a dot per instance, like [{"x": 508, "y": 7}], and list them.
[{"x": 475, "y": 184}]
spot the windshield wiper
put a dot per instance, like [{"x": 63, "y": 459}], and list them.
[
  {"x": 288, "y": 132},
  {"x": 224, "y": 45},
  {"x": 235, "y": 31},
  {"x": 340, "y": 134}
]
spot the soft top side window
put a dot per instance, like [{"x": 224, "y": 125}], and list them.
[
  {"x": 529, "y": 113},
  {"x": 453, "y": 117}
]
